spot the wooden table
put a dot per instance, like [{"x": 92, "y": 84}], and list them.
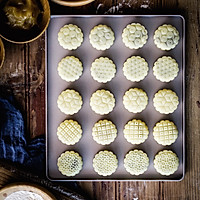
[{"x": 23, "y": 73}]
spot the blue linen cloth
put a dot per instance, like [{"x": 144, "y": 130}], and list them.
[{"x": 13, "y": 143}]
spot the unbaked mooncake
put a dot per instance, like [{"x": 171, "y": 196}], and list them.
[
  {"x": 135, "y": 100},
  {"x": 70, "y": 68},
  {"x": 70, "y": 163},
  {"x": 69, "y": 102},
  {"x": 102, "y": 102},
  {"x": 105, "y": 163},
  {"x": 165, "y": 101},
  {"x": 166, "y": 162},
  {"x": 104, "y": 132},
  {"x": 166, "y": 37},
  {"x": 70, "y": 37},
  {"x": 136, "y": 162},
  {"x": 134, "y": 36},
  {"x": 101, "y": 37}
]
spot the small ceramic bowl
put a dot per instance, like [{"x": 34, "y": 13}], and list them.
[
  {"x": 20, "y": 36},
  {"x": 2, "y": 53},
  {"x": 72, "y": 3}
]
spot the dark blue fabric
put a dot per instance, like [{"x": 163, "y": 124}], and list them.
[{"x": 13, "y": 144}]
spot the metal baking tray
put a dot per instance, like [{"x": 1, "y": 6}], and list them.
[{"x": 87, "y": 147}]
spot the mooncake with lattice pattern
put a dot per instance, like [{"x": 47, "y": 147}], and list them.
[
  {"x": 136, "y": 131},
  {"x": 104, "y": 132},
  {"x": 69, "y": 132}
]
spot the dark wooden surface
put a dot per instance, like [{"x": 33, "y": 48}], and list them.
[{"x": 23, "y": 73}]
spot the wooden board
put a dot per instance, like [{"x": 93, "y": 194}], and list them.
[{"x": 23, "y": 73}]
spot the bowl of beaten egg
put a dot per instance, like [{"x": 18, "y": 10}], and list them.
[
  {"x": 2, "y": 53},
  {"x": 22, "y": 21}
]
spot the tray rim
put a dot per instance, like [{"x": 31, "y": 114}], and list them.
[{"x": 183, "y": 103}]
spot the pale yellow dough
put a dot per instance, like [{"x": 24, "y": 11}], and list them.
[
  {"x": 165, "y": 132},
  {"x": 165, "y": 69},
  {"x": 136, "y": 131},
  {"x": 70, "y": 163},
  {"x": 135, "y": 68},
  {"x": 134, "y": 36},
  {"x": 102, "y": 102},
  {"x": 69, "y": 102},
  {"x": 69, "y": 132},
  {"x": 135, "y": 100},
  {"x": 165, "y": 101},
  {"x": 166, "y": 162},
  {"x": 101, "y": 37},
  {"x": 70, "y": 68},
  {"x": 104, "y": 132},
  {"x": 166, "y": 37},
  {"x": 70, "y": 37},
  {"x": 105, "y": 163},
  {"x": 103, "y": 70},
  {"x": 136, "y": 162}
]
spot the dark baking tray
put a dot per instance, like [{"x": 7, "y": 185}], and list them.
[{"x": 87, "y": 147}]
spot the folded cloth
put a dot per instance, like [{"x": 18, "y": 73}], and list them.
[{"x": 13, "y": 144}]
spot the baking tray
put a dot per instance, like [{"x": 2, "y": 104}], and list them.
[{"x": 87, "y": 147}]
